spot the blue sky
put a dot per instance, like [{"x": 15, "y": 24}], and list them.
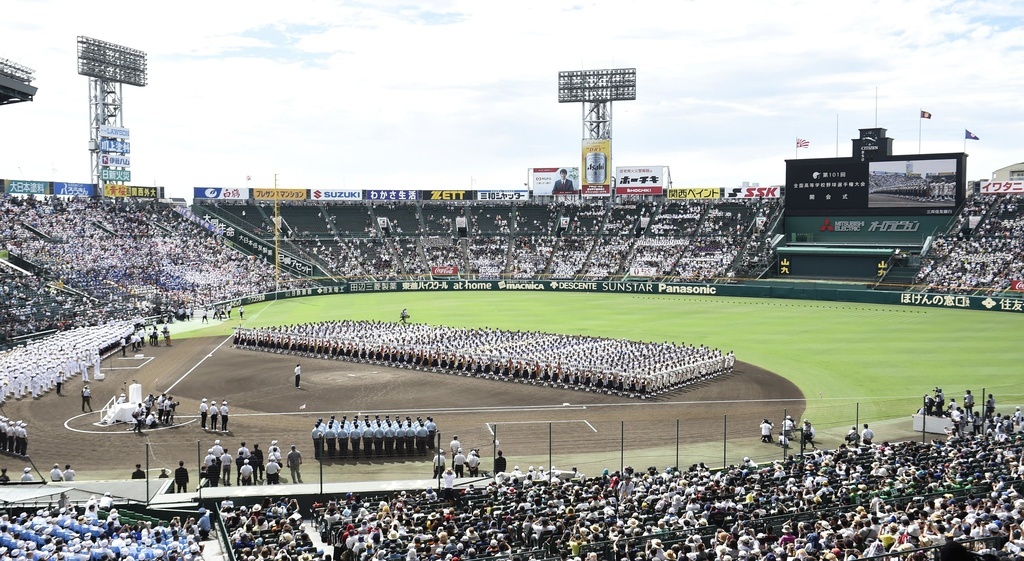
[{"x": 462, "y": 94}]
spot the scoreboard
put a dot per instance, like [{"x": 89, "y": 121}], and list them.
[{"x": 920, "y": 184}]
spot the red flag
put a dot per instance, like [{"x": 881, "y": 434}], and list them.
[{"x": 801, "y": 143}]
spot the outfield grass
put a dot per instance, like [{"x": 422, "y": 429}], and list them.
[{"x": 881, "y": 359}]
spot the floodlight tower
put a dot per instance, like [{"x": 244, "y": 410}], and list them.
[
  {"x": 596, "y": 90},
  {"x": 108, "y": 66},
  {"x": 15, "y": 82}
]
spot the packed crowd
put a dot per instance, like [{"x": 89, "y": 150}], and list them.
[
  {"x": 271, "y": 529},
  {"x": 583, "y": 363},
  {"x": 569, "y": 255},
  {"x": 82, "y": 246},
  {"x": 487, "y": 257},
  {"x": 97, "y": 530},
  {"x": 856, "y": 501},
  {"x": 32, "y": 304},
  {"x": 103, "y": 260},
  {"x": 989, "y": 259},
  {"x": 530, "y": 256}
]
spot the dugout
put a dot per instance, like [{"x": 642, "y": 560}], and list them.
[{"x": 848, "y": 263}]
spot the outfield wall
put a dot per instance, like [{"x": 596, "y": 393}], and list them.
[{"x": 789, "y": 291}]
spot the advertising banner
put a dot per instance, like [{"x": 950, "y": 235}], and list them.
[
  {"x": 115, "y": 160},
  {"x": 700, "y": 193},
  {"x": 139, "y": 192},
  {"x": 256, "y": 246},
  {"x": 1017, "y": 285},
  {"x": 446, "y": 271},
  {"x": 596, "y": 190},
  {"x": 642, "y": 272},
  {"x": 1002, "y": 187},
  {"x": 597, "y": 156},
  {"x": 640, "y": 180},
  {"x": 335, "y": 195},
  {"x": 503, "y": 195},
  {"x": 555, "y": 181},
  {"x": 390, "y": 195},
  {"x": 111, "y": 131},
  {"x": 923, "y": 184},
  {"x": 865, "y": 228},
  {"x": 74, "y": 189},
  {"x": 115, "y": 145},
  {"x": 753, "y": 192},
  {"x": 121, "y": 175},
  {"x": 1012, "y": 304},
  {"x": 231, "y": 193},
  {"x": 26, "y": 187},
  {"x": 280, "y": 194},
  {"x": 448, "y": 195}
]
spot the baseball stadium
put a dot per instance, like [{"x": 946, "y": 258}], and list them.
[{"x": 598, "y": 365}]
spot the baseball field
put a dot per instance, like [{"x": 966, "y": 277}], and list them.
[{"x": 833, "y": 363}]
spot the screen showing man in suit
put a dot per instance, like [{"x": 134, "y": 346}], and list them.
[
  {"x": 563, "y": 185},
  {"x": 560, "y": 180}
]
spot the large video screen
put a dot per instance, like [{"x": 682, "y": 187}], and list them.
[
  {"x": 905, "y": 185},
  {"x": 912, "y": 183}
]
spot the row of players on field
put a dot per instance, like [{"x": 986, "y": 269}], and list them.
[{"x": 559, "y": 360}]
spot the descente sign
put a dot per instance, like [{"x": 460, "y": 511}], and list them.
[{"x": 1010, "y": 301}]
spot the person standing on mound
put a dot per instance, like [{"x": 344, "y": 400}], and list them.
[{"x": 298, "y": 374}]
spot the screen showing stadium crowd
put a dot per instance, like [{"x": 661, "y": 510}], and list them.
[{"x": 84, "y": 261}]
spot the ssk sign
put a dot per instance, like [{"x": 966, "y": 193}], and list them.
[
  {"x": 447, "y": 271},
  {"x": 753, "y": 193}
]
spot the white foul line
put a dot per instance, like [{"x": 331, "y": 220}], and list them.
[
  {"x": 488, "y": 425},
  {"x": 229, "y": 337}
]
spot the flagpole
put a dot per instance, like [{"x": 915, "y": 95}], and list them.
[
  {"x": 920, "y": 120},
  {"x": 837, "y": 134},
  {"x": 796, "y": 148},
  {"x": 876, "y": 106}
]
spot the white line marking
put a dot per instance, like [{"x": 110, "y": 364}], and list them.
[
  {"x": 147, "y": 360},
  {"x": 453, "y": 410},
  {"x": 489, "y": 429},
  {"x": 590, "y": 425},
  {"x": 127, "y": 427},
  {"x": 229, "y": 337},
  {"x": 171, "y": 387},
  {"x": 543, "y": 422}
]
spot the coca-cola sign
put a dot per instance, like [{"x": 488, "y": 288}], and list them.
[{"x": 444, "y": 271}]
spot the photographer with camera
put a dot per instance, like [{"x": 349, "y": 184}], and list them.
[{"x": 404, "y": 316}]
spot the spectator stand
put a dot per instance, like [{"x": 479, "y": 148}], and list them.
[{"x": 984, "y": 262}]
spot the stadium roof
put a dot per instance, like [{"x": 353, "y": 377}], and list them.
[{"x": 15, "y": 82}]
